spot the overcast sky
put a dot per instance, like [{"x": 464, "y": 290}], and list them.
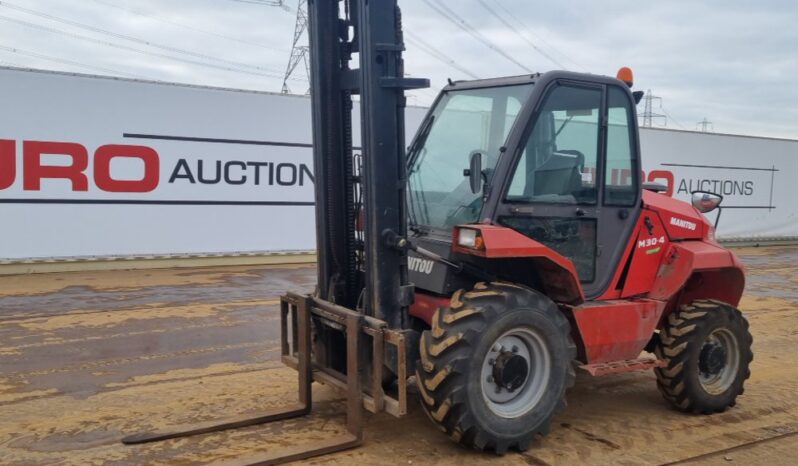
[{"x": 730, "y": 61}]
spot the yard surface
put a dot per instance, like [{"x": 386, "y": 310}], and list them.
[{"x": 86, "y": 358}]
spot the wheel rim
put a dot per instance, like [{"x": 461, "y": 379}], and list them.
[
  {"x": 515, "y": 372},
  {"x": 718, "y": 361}
]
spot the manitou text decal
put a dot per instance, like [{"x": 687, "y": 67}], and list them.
[
  {"x": 681, "y": 223},
  {"x": 416, "y": 264}
]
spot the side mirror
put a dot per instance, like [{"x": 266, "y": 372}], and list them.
[
  {"x": 705, "y": 201},
  {"x": 474, "y": 172}
]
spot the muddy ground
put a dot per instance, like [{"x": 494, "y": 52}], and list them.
[{"x": 88, "y": 357}]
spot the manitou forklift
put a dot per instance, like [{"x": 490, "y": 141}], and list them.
[{"x": 513, "y": 243}]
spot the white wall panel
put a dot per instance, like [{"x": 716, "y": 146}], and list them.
[{"x": 259, "y": 141}]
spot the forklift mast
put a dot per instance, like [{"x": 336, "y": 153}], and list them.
[{"x": 364, "y": 271}]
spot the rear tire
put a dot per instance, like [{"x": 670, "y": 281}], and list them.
[
  {"x": 495, "y": 366},
  {"x": 707, "y": 347}
]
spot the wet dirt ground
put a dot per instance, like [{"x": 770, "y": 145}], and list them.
[{"x": 86, "y": 358}]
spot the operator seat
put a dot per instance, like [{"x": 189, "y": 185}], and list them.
[{"x": 561, "y": 174}]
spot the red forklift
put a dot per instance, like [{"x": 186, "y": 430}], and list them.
[{"x": 513, "y": 243}]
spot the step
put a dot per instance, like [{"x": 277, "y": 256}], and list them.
[{"x": 617, "y": 367}]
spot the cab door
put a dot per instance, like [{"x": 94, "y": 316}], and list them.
[{"x": 575, "y": 182}]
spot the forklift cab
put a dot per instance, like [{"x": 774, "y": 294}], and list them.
[{"x": 560, "y": 165}]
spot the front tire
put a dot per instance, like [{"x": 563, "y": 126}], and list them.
[
  {"x": 495, "y": 366},
  {"x": 707, "y": 348}
]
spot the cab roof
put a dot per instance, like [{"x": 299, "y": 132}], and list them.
[{"x": 532, "y": 78}]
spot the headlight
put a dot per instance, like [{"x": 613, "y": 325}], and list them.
[{"x": 468, "y": 238}]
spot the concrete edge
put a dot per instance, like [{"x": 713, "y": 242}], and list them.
[
  {"x": 757, "y": 242},
  {"x": 32, "y": 266},
  {"x": 87, "y": 264}
]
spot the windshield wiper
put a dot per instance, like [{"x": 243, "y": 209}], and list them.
[
  {"x": 422, "y": 136},
  {"x": 420, "y": 140}
]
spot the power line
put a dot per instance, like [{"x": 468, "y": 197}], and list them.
[
  {"x": 529, "y": 31},
  {"x": 434, "y": 53},
  {"x": 185, "y": 26},
  {"x": 437, "y": 54},
  {"x": 672, "y": 118},
  {"x": 130, "y": 38},
  {"x": 64, "y": 61},
  {"x": 455, "y": 19},
  {"x": 518, "y": 33},
  {"x": 279, "y": 3},
  {"x": 133, "y": 49}
]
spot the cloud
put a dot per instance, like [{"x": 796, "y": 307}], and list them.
[{"x": 729, "y": 61}]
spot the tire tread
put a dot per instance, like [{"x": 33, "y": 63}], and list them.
[
  {"x": 445, "y": 353},
  {"x": 676, "y": 338}
]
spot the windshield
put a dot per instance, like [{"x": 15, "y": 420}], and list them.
[{"x": 463, "y": 121}]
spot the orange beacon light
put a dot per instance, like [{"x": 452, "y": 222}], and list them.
[{"x": 625, "y": 74}]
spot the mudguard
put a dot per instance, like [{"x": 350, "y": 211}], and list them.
[
  {"x": 700, "y": 270},
  {"x": 560, "y": 283}
]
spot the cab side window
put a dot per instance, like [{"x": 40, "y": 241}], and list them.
[
  {"x": 619, "y": 183},
  {"x": 558, "y": 164}
]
